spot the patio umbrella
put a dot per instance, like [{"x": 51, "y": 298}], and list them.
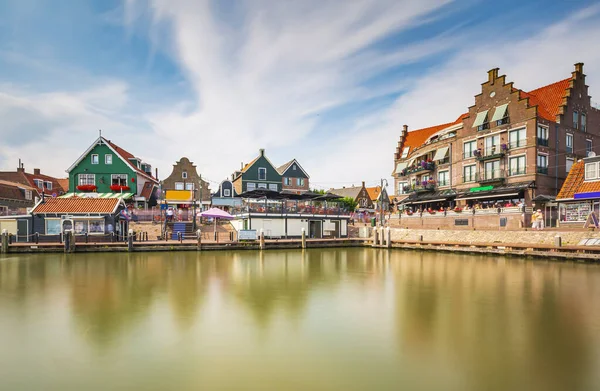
[{"x": 216, "y": 213}]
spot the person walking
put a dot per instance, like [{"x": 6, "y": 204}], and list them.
[{"x": 540, "y": 220}]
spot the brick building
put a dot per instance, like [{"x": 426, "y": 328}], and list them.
[
  {"x": 185, "y": 185},
  {"x": 511, "y": 145}
]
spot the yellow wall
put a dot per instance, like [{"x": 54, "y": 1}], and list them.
[{"x": 9, "y": 225}]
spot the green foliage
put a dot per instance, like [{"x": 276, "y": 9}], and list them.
[
  {"x": 319, "y": 191},
  {"x": 348, "y": 203}
]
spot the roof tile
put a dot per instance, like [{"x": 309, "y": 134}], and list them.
[{"x": 77, "y": 205}]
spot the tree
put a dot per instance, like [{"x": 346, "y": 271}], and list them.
[{"x": 348, "y": 203}]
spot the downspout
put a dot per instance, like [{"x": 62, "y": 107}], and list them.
[{"x": 556, "y": 160}]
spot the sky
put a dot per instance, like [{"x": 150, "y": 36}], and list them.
[{"x": 329, "y": 83}]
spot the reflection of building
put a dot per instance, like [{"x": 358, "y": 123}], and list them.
[
  {"x": 580, "y": 194},
  {"x": 358, "y": 194},
  {"x": 106, "y": 170},
  {"x": 185, "y": 186}
]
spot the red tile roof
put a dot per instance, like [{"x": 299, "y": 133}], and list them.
[
  {"x": 548, "y": 98},
  {"x": 147, "y": 190},
  {"x": 575, "y": 182},
  {"x": 373, "y": 192},
  {"x": 77, "y": 205},
  {"x": 127, "y": 155},
  {"x": 416, "y": 138},
  {"x": 27, "y": 179}
]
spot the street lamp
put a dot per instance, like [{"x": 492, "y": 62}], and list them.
[{"x": 381, "y": 219}]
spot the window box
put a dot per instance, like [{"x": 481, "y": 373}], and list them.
[
  {"x": 119, "y": 188},
  {"x": 87, "y": 188}
]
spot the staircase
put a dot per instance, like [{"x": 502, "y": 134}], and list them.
[{"x": 185, "y": 228}]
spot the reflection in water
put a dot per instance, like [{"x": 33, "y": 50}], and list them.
[{"x": 316, "y": 319}]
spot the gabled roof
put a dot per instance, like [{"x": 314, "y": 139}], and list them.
[
  {"x": 14, "y": 191},
  {"x": 77, "y": 205},
  {"x": 351, "y": 192},
  {"x": 416, "y": 138},
  {"x": 120, "y": 152},
  {"x": 575, "y": 183},
  {"x": 282, "y": 169},
  {"x": 27, "y": 179},
  {"x": 374, "y": 192},
  {"x": 548, "y": 98},
  {"x": 247, "y": 166}
]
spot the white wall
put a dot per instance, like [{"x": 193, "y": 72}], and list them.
[
  {"x": 238, "y": 224},
  {"x": 9, "y": 225},
  {"x": 295, "y": 227},
  {"x": 271, "y": 226},
  {"x": 344, "y": 227}
]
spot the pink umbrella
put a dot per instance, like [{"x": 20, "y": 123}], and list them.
[{"x": 216, "y": 213}]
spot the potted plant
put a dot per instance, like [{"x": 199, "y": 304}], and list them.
[
  {"x": 504, "y": 147},
  {"x": 477, "y": 152},
  {"x": 87, "y": 187},
  {"x": 457, "y": 209},
  {"x": 119, "y": 188}
]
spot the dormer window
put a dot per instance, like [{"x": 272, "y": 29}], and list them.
[
  {"x": 500, "y": 116},
  {"x": 481, "y": 121},
  {"x": 591, "y": 171},
  {"x": 48, "y": 185},
  {"x": 405, "y": 152},
  {"x": 39, "y": 183}
]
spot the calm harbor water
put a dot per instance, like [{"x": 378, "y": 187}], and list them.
[{"x": 343, "y": 319}]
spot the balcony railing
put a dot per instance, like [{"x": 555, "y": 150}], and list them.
[
  {"x": 420, "y": 167},
  {"x": 542, "y": 170},
  {"x": 282, "y": 209},
  {"x": 483, "y": 126},
  {"x": 503, "y": 121},
  {"x": 494, "y": 152},
  {"x": 423, "y": 187},
  {"x": 542, "y": 142},
  {"x": 491, "y": 176},
  {"x": 517, "y": 171}
]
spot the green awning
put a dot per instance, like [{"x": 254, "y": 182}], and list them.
[
  {"x": 480, "y": 120},
  {"x": 400, "y": 166},
  {"x": 500, "y": 112},
  {"x": 482, "y": 188}
]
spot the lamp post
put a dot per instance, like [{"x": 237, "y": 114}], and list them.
[
  {"x": 381, "y": 219},
  {"x": 194, "y": 200}
]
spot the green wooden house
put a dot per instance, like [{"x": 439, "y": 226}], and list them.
[
  {"x": 260, "y": 173},
  {"x": 106, "y": 170}
]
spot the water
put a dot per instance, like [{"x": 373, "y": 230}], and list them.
[{"x": 355, "y": 319}]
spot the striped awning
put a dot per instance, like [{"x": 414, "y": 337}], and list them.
[{"x": 123, "y": 196}]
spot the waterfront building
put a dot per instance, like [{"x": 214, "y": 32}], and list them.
[
  {"x": 106, "y": 170},
  {"x": 379, "y": 198},
  {"x": 260, "y": 173},
  {"x": 511, "y": 146},
  {"x": 293, "y": 177},
  {"x": 15, "y": 198},
  {"x": 580, "y": 194},
  {"x": 359, "y": 194},
  {"x": 42, "y": 184},
  {"x": 185, "y": 187},
  {"x": 226, "y": 197}
]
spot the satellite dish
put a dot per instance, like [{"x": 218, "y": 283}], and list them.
[{"x": 591, "y": 154}]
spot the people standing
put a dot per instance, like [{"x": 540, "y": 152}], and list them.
[{"x": 540, "y": 220}]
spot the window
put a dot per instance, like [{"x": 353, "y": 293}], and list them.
[
  {"x": 262, "y": 174},
  {"x": 591, "y": 171},
  {"x": 402, "y": 188},
  {"x": 492, "y": 170},
  {"x": 492, "y": 145},
  {"x": 52, "y": 226},
  {"x": 95, "y": 159},
  {"x": 542, "y": 136},
  {"x": 583, "y": 122},
  {"x": 294, "y": 167},
  {"x": 517, "y": 165},
  {"x": 96, "y": 226},
  {"x": 48, "y": 185},
  {"x": 108, "y": 159},
  {"x": 542, "y": 164},
  {"x": 588, "y": 146},
  {"x": 481, "y": 121},
  {"x": 444, "y": 178},
  {"x": 287, "y": 181},
  {"x": 87, "y": 179},
  {"x": 575, "y": 119},
  {"x": 178, "y": 185},
  {"x": 273, "y": 186},
  {"x": 569, "y": 141},
  {"x": 405, "y": 152},
  {"x": 517, "y": 138},
  {"x": 189, "y": 186},
  {"x": 27, "y": 194},
  {"x": 39, "y": 183},
  {"x": 226, "y": 192},
  {"x": 81, "y": 227},
  {"x": 469, "y": 149},
  {"x": 469, "y": 173},
  {"x": 262, "y": 185},
  {"x": 184, "y": 175},
  {"x": 300, "y": 181},
  {"x": 569, "y": 164},
  {"x": 250, "y": 186},
  {"x": 500, "y": 116},
  {"x": 118, "y": 179}
]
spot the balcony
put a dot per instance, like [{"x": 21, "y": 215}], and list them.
[
  {"x": 491, "y": 176},
  {"x": 542, "y": 142},
  {"x": 503, "y": 121},
  {"x": 420, "y": 167},
  {"x": 495, "y": 152},
  {"x": 542, "y": 170},
  {"x": 420, "y": 188},
  {"x": 483, "y": 126}
]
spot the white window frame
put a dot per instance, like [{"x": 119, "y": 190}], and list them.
[
  {"x": 179, "y": 186},
  {"x": 250, "y": 186},
  {"x": 594, "y": 175},
  {"x": 273, "y": 186},
  {"x": 108, "y": 159},
  {"x": 569, "y": 137},
  {"x": 226, "y": 193},
  {"x": 473, "y": 174},
  {"x": 119, "y": 178},
  {"x": 400, "y": 189},
  {"x": 286, "y": 181},
  {"x": 405, "y": 152},
  {"x": 521, "y": 142},
  {"x": 516, "y": 158},
  {"x": 39, "y": 183},
  {"x": 299, "y": 181},
  {"x": 48, "y": 185},
  {"x": 184, "y": 175},
  {"x": 473, "y": 144},
  {"x": 46, "y": 221},
  {"x": 28, "y": 195},
  {"x": 567, "y": 166},
  {"x": 96, "y": 158},
  {"x": 86, "y": 179},
  {"x": 262, "y": 185},
  {"x": 259, "y": 171},
  {"x": 494, "y": 147},
  {"x": 189, "y": 186},
  {"x": 591, "y": 149},
  {"x": 439, "y": 182},
  {"x": 545, "y": 131}
]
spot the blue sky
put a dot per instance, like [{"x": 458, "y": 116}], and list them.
[{"x": 327, "y": 82}]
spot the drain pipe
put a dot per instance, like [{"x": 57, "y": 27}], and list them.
[{"x": 556, "y": 160}]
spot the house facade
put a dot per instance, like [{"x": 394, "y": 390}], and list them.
[
  {"x": 293, "y": 177},
  {"x": 226, "y": 197},
  {"x": 358, "y": 194},
  {"x": 510, "y": 146},
  {"x": 580, "y": 194},
  {"x": 106, "y": 170},
  {"x": 15, "y": 198},
  {"x": 260, "y": 173},
  {"x": 186, "y": 186},
  {"x": 379, "y": 197},
  {"x": 41, "y": 183}
]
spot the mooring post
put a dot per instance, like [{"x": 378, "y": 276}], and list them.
[
  {"x": 303, "y": 238},
  {"x": 375, "y": 237},
  {"x": 262, "y": 239},
  {"x": 557, "y": 241},
  {"x": 388, "y": 237},
  {"x": 4, "y": 241},
  {"x": 69, "y": 241},
  {"x": 199, "y": 239},
  {"x": 130, "y": 240}
]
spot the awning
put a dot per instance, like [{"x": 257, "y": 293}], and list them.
[
  {"x": 179, "y": 195},
  {"x": 499, "y": 195},
  {"x": 123, "y": 196},
  {"x": 480, "y": 118},
  {"x": 425, "y": 201},
  {"x": 441, "y": 153},
  {"x": 400, "y": 166},
  {"x": 500, "y": 112}
]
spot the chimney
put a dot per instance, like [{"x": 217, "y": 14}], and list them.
[
  {"x": 262, "y": 152},
  {"x": 493, "y": 75},
  {"x": 363, "y": 184},
  {"x": 36, "y": 171},
  {"x": 241, "y": 165},
  {"x": 20, "y": 168},
  {"x": 404, "y": 130},
  {"x": 156, "y": 175},
  {"x": 579, "y": 67}
]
